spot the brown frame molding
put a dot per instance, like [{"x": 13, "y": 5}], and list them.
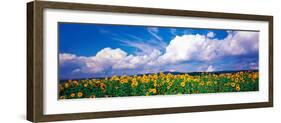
[{"x": 35, "y": 60}]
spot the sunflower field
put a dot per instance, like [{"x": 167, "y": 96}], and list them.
[{"x": 159, "y": 84}]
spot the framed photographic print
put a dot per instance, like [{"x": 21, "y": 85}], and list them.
[{"x": 95, "y": 61}]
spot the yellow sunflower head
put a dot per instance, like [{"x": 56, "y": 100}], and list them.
[
  {"x": 182, "y": 84},
  {"x": 72, "y": 95},
  {"x": 237, "y": 87},
  {"x": 80, "y": 94},
  {"x": 232, "y": 84},
  {"x": 103, "y": 86},
  {"x": 66, "y": 85},
  {"x": 86, "y": 85}
]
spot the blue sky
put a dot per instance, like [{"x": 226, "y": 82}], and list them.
[{"x": 98, "y": 50}]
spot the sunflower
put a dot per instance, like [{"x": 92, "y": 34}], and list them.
[
  {"x": 155, "y": 83},
  {"x": 168, "y": 87},
  {"x": 232, "y": 84},
  {"x": 152, "y": 90},
  {"x": 124, "y": 80},
  {"x": 103, "y": 87},
  {"x": 182, "y": 84},
  {"x": 72, "y": 95},
  {"x": 134, "y": 83},
  {"x": 80, "y": 94},
  {"x": 170, "y": 83},
  {"x": 66, "y": 85},
  {"x": 86, "y": 85},
  {"x": 237, "y": 87},
  {"x": 76, "y": 83}
]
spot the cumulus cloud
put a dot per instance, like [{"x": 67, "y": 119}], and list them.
[
  {"x": 182, "y": 48},
  {"x": 103, "y": 60},
  {"x": 108, "y": 59},
  {"x": 201, "y": 48},
  {"x": 240, "y": 43}
]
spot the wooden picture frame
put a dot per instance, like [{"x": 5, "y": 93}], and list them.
[{"x": 35, "y": 62}]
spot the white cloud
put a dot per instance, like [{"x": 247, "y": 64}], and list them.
[
  {"x": 132, "y": 61},
  {"x": 107, "y": 59},
  {"x": 240, "y": 43},
  {"x": 183, "y": 48},
  {"x": 210, "y": 69},
  {"x": 64, "y": 57},
  {"x": 103, "y": 60},
  {"x": 153, "y": 31},
  {"x": 211, "y": 34},
  {"x": 201, "y": 48},
  {"x": 144, "y": 48}
]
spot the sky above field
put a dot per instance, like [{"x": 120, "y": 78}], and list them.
[{"x": 95, "y": 50}]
